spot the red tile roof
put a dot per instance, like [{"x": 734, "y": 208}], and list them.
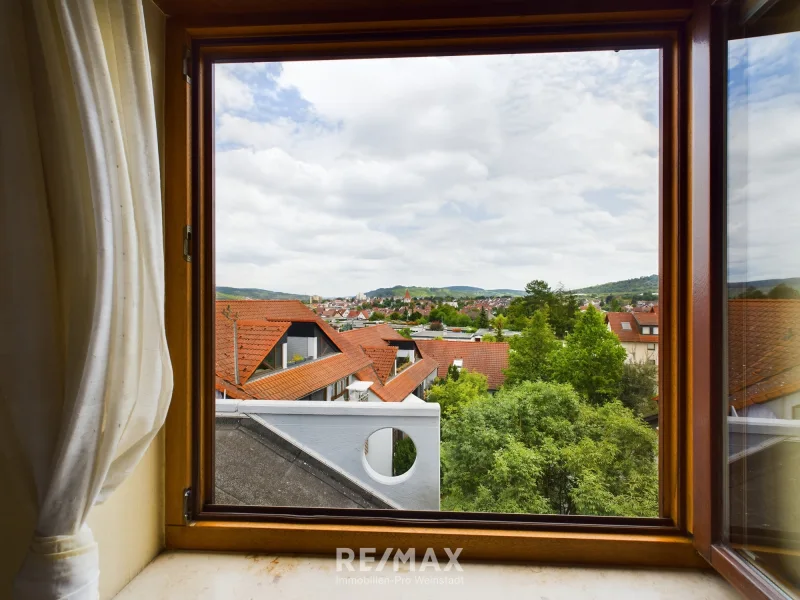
[
  {"x": 372, "y": 335},
  {"x": 382, "y": 358},
  {"x": 255, "y": 339},
  {"x": 616, "y": 319},
  {"x": 260, "y": 321},
  {"x": 488, "y": 358},
  {"x": 763, "y": 350},
  {"x": 399, "y": 387},
  {"x": 648, "y": 319}
]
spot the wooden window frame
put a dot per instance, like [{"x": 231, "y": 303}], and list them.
[{"x": 197, "y": 35}]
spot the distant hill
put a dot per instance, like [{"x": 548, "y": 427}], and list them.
[
  {"x": 638, "y": 285},
  {"x": 764, "y": 285},
  {"x": 456, "y": 291},
  {"x": 231, "y": 293}
]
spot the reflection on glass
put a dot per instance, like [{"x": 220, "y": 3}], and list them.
[
  {"x": 763, "y": 289},
  {"x": 438, "y": 283}
]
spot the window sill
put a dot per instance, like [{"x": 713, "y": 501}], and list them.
[{"x": 220, "y": 576}]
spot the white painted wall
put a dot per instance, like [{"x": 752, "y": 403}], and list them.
[
  {"x": 638, "y": 352},
  {"x": 335, "y": 432},
  {"x": 380, "y": 449}
]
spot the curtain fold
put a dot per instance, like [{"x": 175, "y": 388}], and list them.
[{"x": 82, "y": 242}]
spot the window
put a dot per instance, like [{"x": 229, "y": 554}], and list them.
[
  {"x": 655, "y": 330},
  {"x": 651, "y": 520},
  {"x": 763, "y": 290},
  {"x": 651, "y": 346},
  {"x": 302, "y": 175}
]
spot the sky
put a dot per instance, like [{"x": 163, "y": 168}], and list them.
[
  {"x": 764, "y": 157},
  {"x": 342, "y": 176}
]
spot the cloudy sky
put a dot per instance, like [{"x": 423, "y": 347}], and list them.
[
  {"x": 334, "y": 177},
  {"x": 764, "y": 163}
]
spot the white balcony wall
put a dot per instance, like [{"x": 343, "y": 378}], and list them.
[{"x": 335, "y": 432}]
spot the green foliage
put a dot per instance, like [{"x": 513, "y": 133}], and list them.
[
  {"x": 592, "y": 359},
  {"x": 449, "y": 315},
  {"x": 562, "y": 306},
  {"x": 453, "y": 373},
  {"x": 499, "y": 323},
  {"x": 376, "y": 316},
  {"x": 489, "y": 338},
  {"x": 297, "y": 358},
  {"x": 415, "y": 316},
  {"x": 403, "y": 456},
  {"x": 395, "y": 316},
  {"x": 540, "y": 448},
  {"x": 483, "y": 319},
  {"x": 783, "y": 292},
  {"x": 638, "y": 387},
  {"x": 752, "y": 293},
  {"x": 405, "y": 332},
  {"x": 533, "y": 352},
  {"x": 453, "y": 394}
]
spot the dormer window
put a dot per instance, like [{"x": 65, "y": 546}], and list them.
[{"x": 645, "y": 330}]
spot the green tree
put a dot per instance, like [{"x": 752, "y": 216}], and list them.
[
  {"x": 395, "y": 316},
  {"x": 638, "y": 386},
  {"x": 483, "y": 319},
  {"x": 376, "y": 316},
  {"x": 752, "y": 293},
  {"x": 783, "y": 292},
  {"x": 405, "y": 332},
  {"x": 533, "y": 352},
  {"x": 539, "y": 447},
  {"x": 415, "y": 316},
  {"x": 452, "y": 394},
  {"x": 592, "y": 359},
  {"x": 564, "y": 309},
  {"x": 403, "y": 456},
  {"x": 499, "y": 323}
]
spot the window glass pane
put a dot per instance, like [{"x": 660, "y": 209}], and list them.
[
  {"x": 437, "y": 283},
  {"x": 763, "y": 306}
]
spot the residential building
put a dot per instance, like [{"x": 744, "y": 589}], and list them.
[
  {"x": 487, "y": 358},
  {"x": 638, "y": 332}
]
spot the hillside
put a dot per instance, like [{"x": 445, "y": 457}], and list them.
[
  {"x": 231, "y": 293},
  {"x": 763, "y": 285},
  {"x": 456, "y": 291},
  {"x": 638, "y": 285}
]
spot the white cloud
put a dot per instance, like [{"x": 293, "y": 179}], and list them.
[{"x": 487, "y": 171}]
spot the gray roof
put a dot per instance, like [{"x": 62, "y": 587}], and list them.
[{"x": 256, "y": 467}]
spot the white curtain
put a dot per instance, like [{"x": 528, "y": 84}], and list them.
[{"x": 85, "y": 377}]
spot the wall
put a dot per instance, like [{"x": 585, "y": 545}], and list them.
[
  {"x": 129, "y": 528},
  {"x": 335, "y": 432}
]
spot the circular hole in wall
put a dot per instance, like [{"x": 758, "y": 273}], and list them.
[{"x": 390, "y": 452}]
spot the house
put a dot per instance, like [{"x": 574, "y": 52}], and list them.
[
  {"x": 638, "y": 333},
  {"x": 281, "y": 350},
  {"x": 488, "y": 358}
]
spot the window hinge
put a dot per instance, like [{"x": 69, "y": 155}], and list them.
[
  {"x": 187, "y": 65},
  {"x": 187, "y": 243},
  {"x": 187, "y": 506}
]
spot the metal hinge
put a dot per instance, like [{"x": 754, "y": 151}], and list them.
[
  {"x": 187, "y": 506},
  {"x": 187, "y": 243},
  {"x": 187, "y": 65}
]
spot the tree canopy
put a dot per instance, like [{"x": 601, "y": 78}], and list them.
[
  {"x": 538, "y": 447},
  {"x": 457, "y": 391},
  {"x": 532, "y": 352},
  {"x": 562, "y": 306},
  {"x": 591, "y": 359}
]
